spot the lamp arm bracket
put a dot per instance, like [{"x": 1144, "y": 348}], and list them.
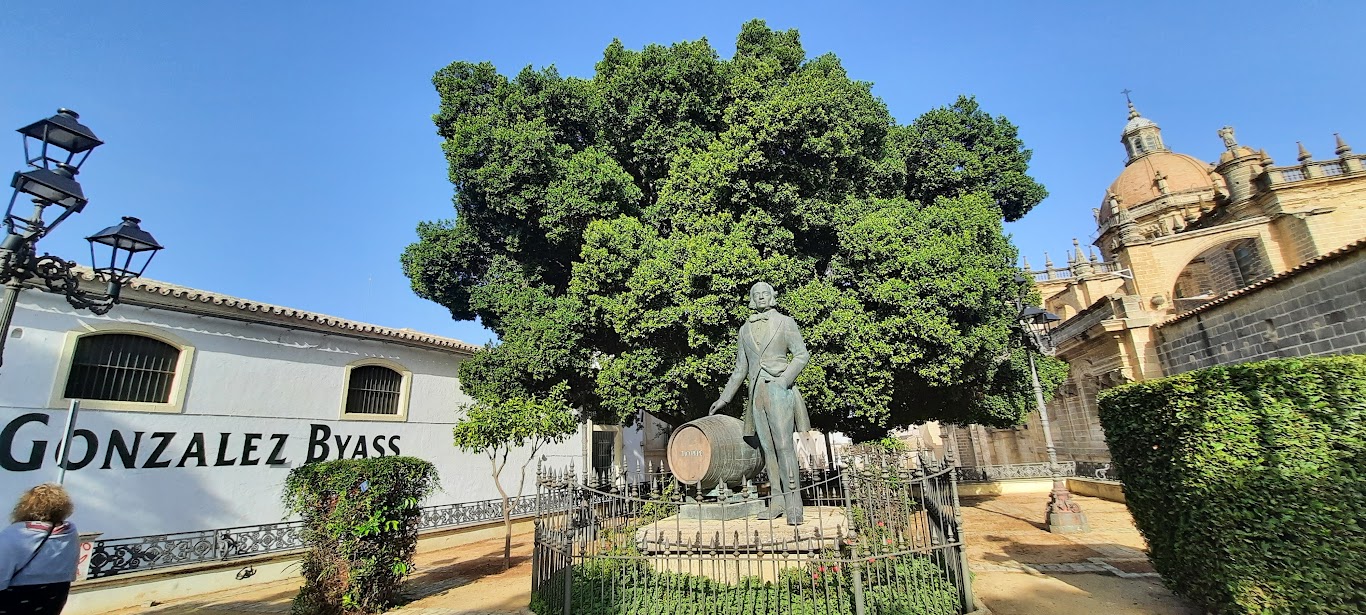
[{"x": 59, "y": 277}]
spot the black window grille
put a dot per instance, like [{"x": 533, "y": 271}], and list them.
[
  {"x": 374, "y": 389},
  {"x": 122, "y": 367},
  {"x": 604, "y": 449}
]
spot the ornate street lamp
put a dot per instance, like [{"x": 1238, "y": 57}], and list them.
[
  {"x": 1064, "y": 515},
  {"x": 51, "y": 148}
]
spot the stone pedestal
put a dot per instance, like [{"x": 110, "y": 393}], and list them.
[
  {"x": 1067, "y": 523},
  {"x": 720, "y": 511},
  {"x": 728, "y": 550},
  {"x": 1064, "y": 515}
]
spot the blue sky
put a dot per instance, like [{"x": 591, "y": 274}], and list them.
[{"x": 283, "y": 151}]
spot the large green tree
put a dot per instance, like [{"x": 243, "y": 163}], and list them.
[{"x": 607, "y": 229}]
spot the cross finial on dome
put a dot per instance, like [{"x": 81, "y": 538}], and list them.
[{"x": 1133, "y": 112}]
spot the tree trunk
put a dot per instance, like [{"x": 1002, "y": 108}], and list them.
[
  {"x": 507, "y": 533},
  {"x": 507, "y": 511}
]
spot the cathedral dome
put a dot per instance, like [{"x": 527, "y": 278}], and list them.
[
  {"x": 1137, "y": 122},
  {"x": 1139, "y": 182}
]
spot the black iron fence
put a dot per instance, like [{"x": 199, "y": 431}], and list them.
[
  {"x": 141, "y": 553},
  {"x": 1099, "y": 470},
  {"x": 880, "y": 536}
]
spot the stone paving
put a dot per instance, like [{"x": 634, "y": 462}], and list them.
[
  {"x": 1022, "y": 569},
  {"x": 1006, "y": 534}
]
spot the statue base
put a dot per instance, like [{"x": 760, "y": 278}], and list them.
[
  {"x": 728, "y": 551},
  {"x": 720, "y": 511}
]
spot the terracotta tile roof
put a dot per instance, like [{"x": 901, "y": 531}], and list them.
[
  {"x": 1284, "y": 275},
  {"x": 275, "y": 314}
]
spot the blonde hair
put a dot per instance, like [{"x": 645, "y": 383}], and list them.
[{"x": 48, "y": 502}]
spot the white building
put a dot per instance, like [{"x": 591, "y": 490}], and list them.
[{"x": 195, "y": 405}]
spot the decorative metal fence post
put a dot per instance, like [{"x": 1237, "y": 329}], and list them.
[
  {"x": 852, "y": 540},
  {"x": 952, "y": 460}
]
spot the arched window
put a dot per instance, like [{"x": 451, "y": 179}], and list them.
[
  {"x": 374, "y": 389},
  {"x": 122, "y": 367}
]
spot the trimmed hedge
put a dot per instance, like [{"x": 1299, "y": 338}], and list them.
[
  {"x": 1249, "y": 482},
  {"x": 360, "y": 523}
]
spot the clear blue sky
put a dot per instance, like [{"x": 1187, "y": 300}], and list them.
[{"x": 283, "y": 151}]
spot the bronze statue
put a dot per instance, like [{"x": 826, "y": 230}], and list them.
[{"x": 771, "y": 354}]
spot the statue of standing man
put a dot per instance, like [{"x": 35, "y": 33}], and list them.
[{"x": 771, "y": 354}]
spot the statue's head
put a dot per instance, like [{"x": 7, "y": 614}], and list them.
[{"x": 762, "y": 296}]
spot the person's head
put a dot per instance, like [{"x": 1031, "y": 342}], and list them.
[
  {"x": 762, "y": 296},
  {"x": 48, "y": 503}
]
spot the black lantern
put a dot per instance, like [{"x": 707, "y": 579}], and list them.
[
  {"x": 47, "y": 187},
  {"x": 1038, "y": 323},
  {"x": 124, "y": 241},
  {"x": 50, "y": 180},
  {"x": 58, "y": 140},
  {"x": 62, "y": 131}
]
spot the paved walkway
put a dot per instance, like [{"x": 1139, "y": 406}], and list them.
[
  {"x": 1022, "y": 569},
  {"x": 1019, "y": 569}
]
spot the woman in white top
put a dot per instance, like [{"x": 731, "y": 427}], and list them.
[{"x": 38, "y": 553}]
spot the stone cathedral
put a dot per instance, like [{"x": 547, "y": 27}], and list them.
[{"x": 1195, "y": 264}]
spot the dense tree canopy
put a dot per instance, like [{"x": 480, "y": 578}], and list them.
[{"x": 608, "y": 229}]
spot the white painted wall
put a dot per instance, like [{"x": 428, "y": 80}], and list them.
[{"x": 246, "y": 378}]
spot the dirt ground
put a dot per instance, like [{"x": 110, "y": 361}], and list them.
[{"x": 1018, "y": 569}]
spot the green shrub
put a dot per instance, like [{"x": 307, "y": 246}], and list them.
[
  {"x": 1249, "y": 482},
  {"x": 905, "y": 585},
  {"x": 360, "y": 521}
]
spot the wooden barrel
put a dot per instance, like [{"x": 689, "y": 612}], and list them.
[{"x": 711, "y": 450}]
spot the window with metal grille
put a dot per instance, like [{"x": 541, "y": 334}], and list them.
[
  {"x": 604, "y": 449},
  {"x": 122, "y": 367},
  {"x": 374, "y": 389}
]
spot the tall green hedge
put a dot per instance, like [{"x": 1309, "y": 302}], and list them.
[
  {"x": 1249, "y": 482},
  {"x": 360, "y": 523}
]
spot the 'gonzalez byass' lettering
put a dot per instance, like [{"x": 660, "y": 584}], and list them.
[{"x": 124, "y": 449}]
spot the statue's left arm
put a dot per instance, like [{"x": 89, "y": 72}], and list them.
[{"x": 800, "y": 357}]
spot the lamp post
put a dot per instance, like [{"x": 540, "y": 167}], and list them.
[
  {"x": 54, "y": 150},
  {"x": 1064, "y": 515}
]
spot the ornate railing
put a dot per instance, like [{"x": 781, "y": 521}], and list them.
[
  {"x": 141, "y": 553},
  {"x": 1100, "y": 470},
  {"x": 987, "y": 474},
  {"x": 1314, "y": 169},
  {"x": 1070, "y": 271}
]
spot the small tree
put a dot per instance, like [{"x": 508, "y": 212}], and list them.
[{"x": 495, "y": 427}]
